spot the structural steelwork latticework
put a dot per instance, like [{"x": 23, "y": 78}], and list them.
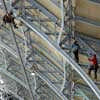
[{"x": 36, "y": 60}]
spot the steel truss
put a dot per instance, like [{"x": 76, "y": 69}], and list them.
[{"x": 37, "y": 50}]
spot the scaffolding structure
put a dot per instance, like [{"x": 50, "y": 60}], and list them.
[{"x": 35, "y": 58}]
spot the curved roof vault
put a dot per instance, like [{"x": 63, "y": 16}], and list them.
[{"x": 84, "y": 8}]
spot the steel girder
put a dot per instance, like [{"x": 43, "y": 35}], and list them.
[
  {"x": 12, "y": 53},
  {"x": 18, "y": 97},
  {"x": 8, "y": 49},
  {"x": 43, "y": 10},
  {"x": 2, "y": 70},
  {"x": 66, "y": 57}
]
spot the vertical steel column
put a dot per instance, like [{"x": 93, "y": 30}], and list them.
[
  {"x": 21, "y": 60},
  {"x": 62, "y": 21}
]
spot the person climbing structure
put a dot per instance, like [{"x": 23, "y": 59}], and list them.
[
  {"x": 93, "y": 65},
  {"x": 8, "y": 18},
  {"x": 75, "y": 50}
]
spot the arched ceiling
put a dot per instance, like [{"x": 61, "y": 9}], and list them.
[
  {"x": 91, "y": 11},
  {"x": 84, "y": 8},
  {"x": 88, "y": 9}
]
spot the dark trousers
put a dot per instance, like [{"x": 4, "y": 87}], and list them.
[
  {"x": 76, "y": 56},
  {"x": 95, "y": 69}
]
